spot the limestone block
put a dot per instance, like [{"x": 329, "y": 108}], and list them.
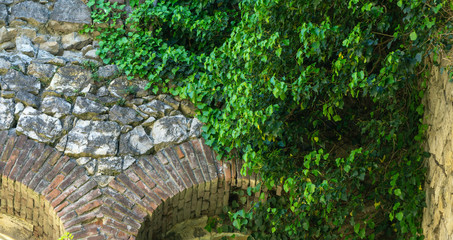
[
  {"x": 55, "y": 106},
  {"x": 17, "y": 81},
  {"x": 124, "y": 116},
  {"x": 136, "y": 142},
  {"x": 34, "y": 13},
  {"x": 88, "y": 109},
  {"x": 170, "y": 130},
  {"x": 69, "y": 16},
  {"x": 156, "y": 109},
  {"x": 69, "y": 80},
  {"x": 6, "y": 113},
  {"x": 93, "y": 139},
  {"x": 39, "y": 126},
  {"x": 42, "y": 71}
]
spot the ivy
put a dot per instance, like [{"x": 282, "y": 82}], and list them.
[{"x": 322, "y": 98}]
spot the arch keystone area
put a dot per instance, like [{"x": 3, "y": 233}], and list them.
[{"x": 45, "y": 188}]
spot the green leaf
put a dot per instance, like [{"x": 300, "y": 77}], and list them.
[
  {"x": 357, "y": 227},
  {"x": 399, "y": 216},
  {"x": 413, "y": 36}
]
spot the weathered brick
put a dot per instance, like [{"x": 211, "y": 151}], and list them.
[
  {"x": 11, "y": 161},
  {"x": 53, "y": 194},
  {"x": 185, "y": 164},
  {"x": 82, "y": 190},
  {"x": 61, "y": 206},
  {"x": 8, "y": 148},
  {"x": 107, "y": 211},
  {"x": 70, "y": 165},
  {"x": 34, "y": 155},
  {"x": 130, "y": 185},
  {"x": 79, "y": 219},
  {"x": 66, "y": 216},
  {"x": 55, "y": 182},
  {"x": 150, "y": 171},
  {"x": 39, "y": 176},
  {"x": 171, "y": 155},
  {"x": 63, "y": 196},
  {"x": 3, "y": 138},
  {"x": 22, "y": 159},
  {"x": 149, "y": 193},
  {"x": 115, "y": 224},
  {"x": 209, "y": 154},
  {"x": 41, "y": 186},
  {"x": 78, "y": 175},
  {"x": 89, "y": 206},
  {"x": 131, "y": 175},
  {"x": 40, "y": 161},
  {"x": 143, "y": 176},
  {"x": 117, "y": 186},
  {"x": 198, "y": 150},
  {"x": 120, "y": 198},
  {"x": 56, "y": 168},
  {"x": 53, "y": 158}
]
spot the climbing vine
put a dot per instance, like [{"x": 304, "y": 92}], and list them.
[{"x": 320, "y": 97}]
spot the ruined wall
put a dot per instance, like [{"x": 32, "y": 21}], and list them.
[{"x": 438, "y": 215}]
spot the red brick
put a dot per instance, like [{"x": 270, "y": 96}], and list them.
[
  {"x": 117, "y": 186},
  {"x": 56, "y": 168},
  {"x": 143, "y": 176},
  {"x": 198, "y": 150},
  {"x": 91, "y": 230},
  {"x": 150, "y": 171},
  {"x": 53, "y": 194},
  {"x": 149, "y": 193},
  {"x": 61, "y": 206},
  {"x": 58, "y": 179},
  {"x": 39, "y": 176},
  {"x": 212, "y": 166},
  {"x": 37, "y": 151},
  {"x": 82, "y": 190},
  {"x": 3, "y": 138},
  {"x": 63, "y": 196},
  {"x": 179, "y": 152},
  {"x": 8, "y": 148},
  {"x": 11, "y": 161},
  {"x": 99, "y": 237},
  {"x": 40, "y": 161},
  {"x": 78, "y": 175},
  {"x": 107, "y": 211},
  {"x": 116, "y": 224},
  {"x": 89, "y": 206},
  {"x": 171, "y": 155},
  {"x": 190, "y": 155},
  {"x": 120, "y": 198},
  {"x": 130, "y": 185},
  {"x": 53, "y": 158},
  {"x": 79, "y": 219},
  {"x": 68, "y": 167},
  {"x": 83, "y": 201},
  {"x": 185, "y": 164},
  {"x": 131, "y": 175},
  {"x": 22, "y": 159},
  {"x": 66, "y": 216}
]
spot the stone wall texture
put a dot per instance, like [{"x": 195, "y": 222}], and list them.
[
  {"x": 85, "y": 151},
  {"x": 438, "y": 215}
]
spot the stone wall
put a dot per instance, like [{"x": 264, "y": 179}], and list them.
[{"x": 438, "y": 215}]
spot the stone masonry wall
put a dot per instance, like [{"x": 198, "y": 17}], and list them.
[
  {"x": 86, "y": 151},
  {"x": 438, "y": 215}
]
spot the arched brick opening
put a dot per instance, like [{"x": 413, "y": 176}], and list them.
[{"x": 53, "y": 193}]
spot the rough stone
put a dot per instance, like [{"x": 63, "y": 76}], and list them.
[
  {"x": 34, "y": 13},
  {"x": 17, "y": 81},
  {"x": 4, "y": 66},
  {"x": 7, "y": 94},
  {"x": 118, "y": 87},
  {"x": 3, "y": 15},
  {"x": 107, "y": 72},
  {"x": 6, "y": 113},
  {"x": 25, "y": 46},
  {"x": 195, "y": 128},
  {"x": 102, "y": 180},
  {"x": 110, "y": 166},
  {"x": 188, "y": 109},
  {"x": 75, "y": 40},
  {"x": 91, "y": 54},
  {"x": 69, "y": 80},
  {"x": 124, "y": 116},
  {"x": 27, "y": 99},
  {"x": 128, "y": 161},
  {"x": 93, "y": 139},
  {"x": 18, "y": 109},
  {"x": 6, "y": 35},
  {"x": 69, "y": 16},
  {"x": 88, "y": 109},
  {"x": 39, "y": 126},
  {"x": 42, "y": 71},
  {"x": 156, "y": 109},
  {"x": 169, "y": 130},
  {"x": 136, "y": 142},
  {"x": 102, "y": 92},
  {"x": 149, "y": 122},
  {"x": 55, "y": 106},
  {"x": 169, "y": 100},
  {"x": 51, "y": 47}
]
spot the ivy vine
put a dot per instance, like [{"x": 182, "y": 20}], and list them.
[{"x": 322, "y": 97}]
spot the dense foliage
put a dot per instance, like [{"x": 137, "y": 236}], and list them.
[{"x": 320, "y": 97}]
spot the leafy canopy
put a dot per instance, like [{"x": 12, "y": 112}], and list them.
[{"x": 320, "y": 97}]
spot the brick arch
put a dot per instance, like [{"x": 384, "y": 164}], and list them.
[{"x": 175, "y": 184}]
